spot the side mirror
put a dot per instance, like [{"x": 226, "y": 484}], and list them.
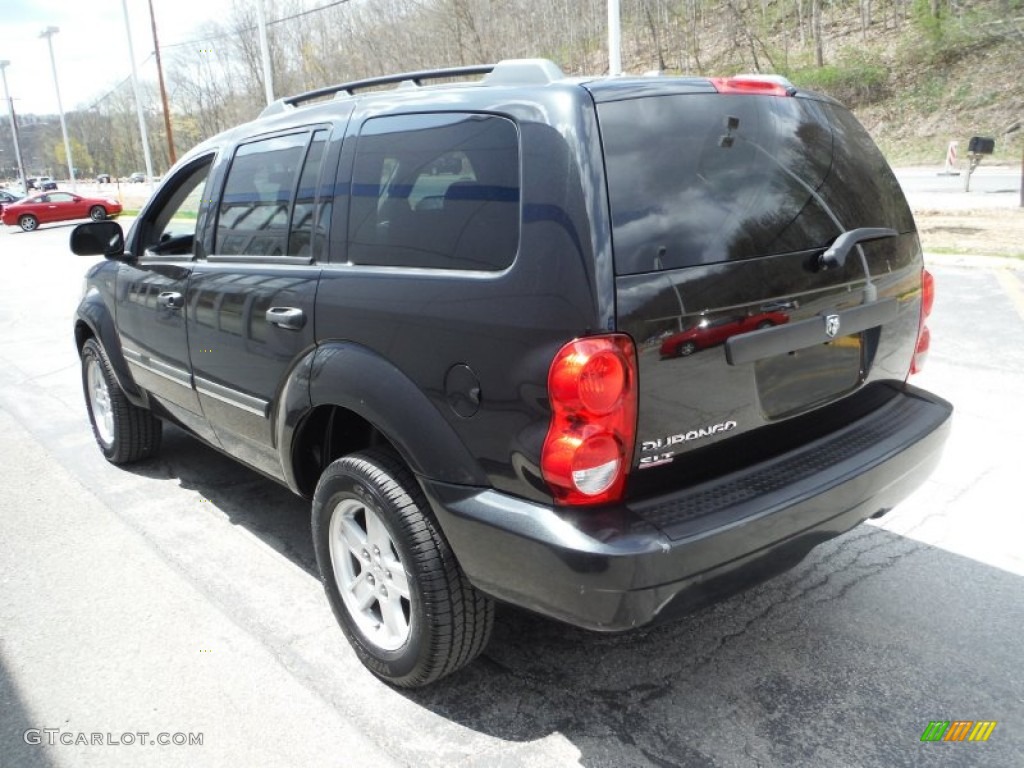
[{"x": 98, "y": 238}]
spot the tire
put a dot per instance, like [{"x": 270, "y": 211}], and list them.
[
  {"x": 687, "y": 348},
  {"x": 371, "y": 523},
  {"x": 765, "y": 324},
  {"x": 28, "y": 222},
  {"x": 124, "y": 432},
  {"x": 97, "y": 213}
]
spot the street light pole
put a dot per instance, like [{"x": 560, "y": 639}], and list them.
[
  {"x": 48, "y": 33},
  {"x": 14, "y": 127},
  {"x": 614, "y": 39},
  {"x": 268, "y": 71},
  {"x": 138, "y": 98}
]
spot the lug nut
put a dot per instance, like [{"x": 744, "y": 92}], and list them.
[
  {"x": 370, "y": 579},
  {"x": 383, "y": 591}
]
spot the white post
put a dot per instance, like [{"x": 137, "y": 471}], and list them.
[
  {"x": 138, "y": 99},
  {"x": 614, "y": 39},
  {"x": 14, "y": 128},
  {"x": 48, "y": 33},
  {"x": 268, "y": 74}
]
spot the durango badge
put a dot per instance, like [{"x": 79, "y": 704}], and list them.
[{"x": 693, "y": 434}]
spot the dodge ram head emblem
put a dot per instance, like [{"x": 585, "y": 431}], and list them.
[{"x": 831, "y": 325}]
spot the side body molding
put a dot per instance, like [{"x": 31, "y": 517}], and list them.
[
  {"x": 94, "y": 313},
  {"x": 354, "y": 377}
]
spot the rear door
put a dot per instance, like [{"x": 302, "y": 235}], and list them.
[
  {"x": 250, "y": 300},
  {"x": 722, "y": 205}
]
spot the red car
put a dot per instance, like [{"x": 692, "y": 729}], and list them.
[
  {"x": 708, "y": 333},
  {"x": 58, "y": 206}
]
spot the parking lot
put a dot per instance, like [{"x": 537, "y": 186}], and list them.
[{"x": 180, "y": 597}]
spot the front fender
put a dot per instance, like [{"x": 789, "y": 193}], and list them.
[
  {"x": 356, "y": 378},
  {"x": 93, "y": 318}
]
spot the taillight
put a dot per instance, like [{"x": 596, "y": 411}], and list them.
[
  {"x": 924, "y": 336},
  {"x": 589, "y": 445},
  {"x": 764, "y": 85}
]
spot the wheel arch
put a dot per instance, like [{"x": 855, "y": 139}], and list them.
[
  {"x": 357, "y": 400},
  {"x": 94, "y": 321}
]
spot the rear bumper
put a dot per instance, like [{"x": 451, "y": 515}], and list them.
[{"x": 613, "y": 569}]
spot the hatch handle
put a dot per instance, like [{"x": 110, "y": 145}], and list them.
[{"x": 835, "y": 256}]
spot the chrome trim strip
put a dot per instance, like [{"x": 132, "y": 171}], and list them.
[
  {"x": 157, "y": 367},
  {"x": 233, "y": 397}
]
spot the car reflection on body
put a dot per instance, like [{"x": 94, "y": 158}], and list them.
[
  {"x": 7, "y": 197},
  {"x": 709, "y": 332},
  {"x": 57, "y": 206}
]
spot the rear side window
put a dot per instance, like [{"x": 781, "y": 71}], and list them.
[
  {"x": 437, "y": 191},
  {"x": 705, "y": 178},
  {"x": 268, "y": 205}
]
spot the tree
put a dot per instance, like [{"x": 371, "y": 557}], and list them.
[{"x": 79, "y": 154}]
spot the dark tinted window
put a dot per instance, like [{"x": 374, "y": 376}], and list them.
[
  {"x": 257, "y": 201},
  {"x": 436, "y": 191},
  {"x": 861, "y": 187},
  {"x": 305, "y": 217},
  {"x": 704, "y": 178}
]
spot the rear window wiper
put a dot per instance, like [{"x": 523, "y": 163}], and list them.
[{"x": 835, "y": 256}]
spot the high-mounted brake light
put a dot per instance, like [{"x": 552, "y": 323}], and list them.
[
  {"x": 589, "y": 445},
  {"x": 924, "y": 336},
  {"x": 763, "y": 85}
]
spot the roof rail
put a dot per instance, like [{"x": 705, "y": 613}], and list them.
[
  {"x": 508, "y": 72},
  {"x": 370, "y": 82}
]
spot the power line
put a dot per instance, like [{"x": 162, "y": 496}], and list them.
[
  {"x": 233, "y": 33},
  {"x": 222, "y": 36}
]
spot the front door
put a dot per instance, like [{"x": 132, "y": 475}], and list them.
[
  {"x": 151, "y": 293},
  {"x": 250, "y": 301}
]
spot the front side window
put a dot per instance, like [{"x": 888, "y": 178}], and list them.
[
  {"x": 437, "y": 191},
  {"x": 268, "y": 205},
  {"x": 169, "y": 225}
]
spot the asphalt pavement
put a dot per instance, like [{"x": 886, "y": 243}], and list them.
[{"x": 179, "y": 597}]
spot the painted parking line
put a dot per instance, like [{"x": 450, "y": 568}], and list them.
[{"x": 1012, "y": 286}]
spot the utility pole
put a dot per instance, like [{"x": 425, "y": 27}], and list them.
[
  {"x": 163, "y": 91},
  {"x": 48, "y": 33},
  {"x": 14, "y": 128},
  {"x": 138, "y": 98}
]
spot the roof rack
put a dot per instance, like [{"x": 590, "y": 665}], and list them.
[{"x": 508, "y": 72}]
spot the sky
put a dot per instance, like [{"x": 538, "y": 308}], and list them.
[{"x": 91, "y": 48}]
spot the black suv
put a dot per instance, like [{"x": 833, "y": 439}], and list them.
[{"x": 452, "y": 314}]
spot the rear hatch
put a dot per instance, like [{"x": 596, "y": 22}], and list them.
[{"x": 723, "y": 204}]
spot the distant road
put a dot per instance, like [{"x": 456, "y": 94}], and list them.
[{"x": 991, "y": 187}]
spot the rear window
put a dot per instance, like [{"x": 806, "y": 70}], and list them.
[{"x": 705, "y": 178}]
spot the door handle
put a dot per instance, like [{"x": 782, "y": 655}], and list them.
[
  {"x": 171, "y": 299},
  {"x": 291, "y": 318}
]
